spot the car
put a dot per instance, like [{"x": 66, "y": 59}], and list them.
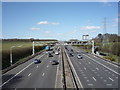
[
  {"x": 55, "y": 62},
  {"x": 71, "y": 54},
  {"x": 37, "y": 61},
  {"x": 79, "y": 56},
  {"x": 56, "y": 53},
  {"x": 50, "y": 55},
  {"x": 72, "y": 50}
]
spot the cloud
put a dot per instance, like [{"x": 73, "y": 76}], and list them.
[
  {"x": 46, "y": 23},
  {"x": 35, "y": 28},
  {"x": 43, "y": 22},
  {"x": 90, "y": 28},
  {"x": 47, "y": 32}
]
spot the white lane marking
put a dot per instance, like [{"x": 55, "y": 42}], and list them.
[
  {"x": 16, "y": 74},
  {"x": 87, "y": 80},
  {"x": 101, "y": 64},
  {"x": 90, "y": 84},
  {"x": 109, "y": 84},
  {"x": 81, "y": 86},
  {"x": 89, "y": 62},
  {"x": 97, "y": 68},
  {"x": 94, "y": 78},
  {"x": 47, "y": 66},
  {"x": 95, "y": 72},
  {"x": 85, "y": 77},
  {"x": 18, "y": 66},
  {"x": 84, "y": 68},
  {"x": 105, "y": 80},
  {"x": 116, "y": 77},
  {"x": 111, "y": 79},
  {"x": 109, "y": 63},
  {"x": 56, "y": 81},
  {"x": 29, "y": 74},
  {"x": 101, "y": 77},
  {"x": 37, "y": 66},
  {"x": 43, "y": 74}
]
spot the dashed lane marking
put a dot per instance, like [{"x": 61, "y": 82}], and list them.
[
  {"x": 84, "y": 68},
  {"x": 101, "y": 77},
  {"x": 29, "y": 74},
  {"x": 109, "y": 84},
  {"x": 105, "y": 80},
  {"x": 97, "y": 68},
  {"x": 87, "y": 80},
  {"x": 102, "y": 64},
  {"x": 94, "y": 78},
  {"x": 111, "y": 79},
  {"x": 90, "y": 84},
  {"x": 47, "y": 66},
  {"x": 43, "y": 74},
  {"x": 16, "y": 74}
]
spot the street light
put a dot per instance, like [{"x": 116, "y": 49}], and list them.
[{"x": 11, "y": 62}]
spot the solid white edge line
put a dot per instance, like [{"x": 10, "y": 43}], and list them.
[
  {"x": 101, "y": 64},
  {"x": 101, "y": 59},
  {"x": 109, "y": 62},
  {"x": 57, "y": 73},
  {"x": 18, "y": 73},
  {"x": 18, "y": 66},
  {"x": 81, "y": 86}
]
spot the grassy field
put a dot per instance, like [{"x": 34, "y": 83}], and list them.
[
  {"x": 19, "y": 53},
  {"x": 6, "y": 44}
]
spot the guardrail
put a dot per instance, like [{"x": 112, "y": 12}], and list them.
[{"x": 76, "y": 81}]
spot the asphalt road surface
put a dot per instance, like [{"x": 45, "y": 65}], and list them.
[
  {"x": 30, "y": 75},
  {"x": 92, "y": 71}
]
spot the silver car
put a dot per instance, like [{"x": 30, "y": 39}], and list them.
[{"x": 79, "y": 56}]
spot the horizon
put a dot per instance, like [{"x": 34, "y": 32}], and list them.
[{"x": 60, "y": 21}]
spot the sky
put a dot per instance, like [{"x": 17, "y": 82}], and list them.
[{"x": 58, "y": 20}]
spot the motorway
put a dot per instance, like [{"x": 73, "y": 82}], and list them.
[
  {"x": 92, "y": 71},
  {"x": 30, "y": 75}
]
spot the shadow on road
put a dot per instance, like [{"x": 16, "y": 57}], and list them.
[{"x": 12, "y": 83}]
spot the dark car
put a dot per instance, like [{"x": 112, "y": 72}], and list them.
[
  {"x": 37, "y": 61},
  {"x": 55, "y": 62},
  {"x": 71, "y": 54},
  {"x": 50, "y": 55},
  {"x": 71, "y": 50}
]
